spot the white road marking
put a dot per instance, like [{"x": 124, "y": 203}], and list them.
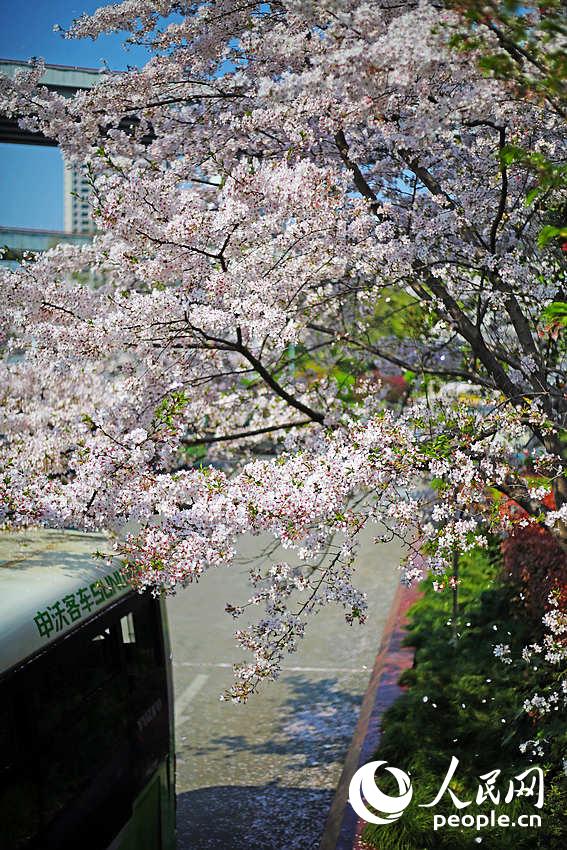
[
  {"x": 225, "y": 665},
  {"x": 188, "y": 694}
]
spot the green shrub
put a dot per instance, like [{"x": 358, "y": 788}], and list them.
[{"x": 428, "y": 724}]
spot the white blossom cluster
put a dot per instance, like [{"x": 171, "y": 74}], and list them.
[{"x": 271, "y": 190}]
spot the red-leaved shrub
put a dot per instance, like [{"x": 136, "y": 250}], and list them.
[{"x": 535, "y": 562}]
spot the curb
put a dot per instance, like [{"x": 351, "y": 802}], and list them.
[{"x": 343, "y": 827}]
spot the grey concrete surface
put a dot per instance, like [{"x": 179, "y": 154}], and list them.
[{"x": 261, "y": 776}]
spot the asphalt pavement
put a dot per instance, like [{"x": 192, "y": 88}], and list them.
[{"x": 261, "y": 776}]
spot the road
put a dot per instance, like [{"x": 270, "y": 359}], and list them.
[{"x": 261, "y": 776}]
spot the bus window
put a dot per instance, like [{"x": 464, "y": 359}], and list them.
[
  {"x": 83, "y": 739},
  {"x": 78, "y": 668},
  {"x": 145, "y": 665},
  {"x": 83, "y": 729},
  {"x": 19, "y": 787}
]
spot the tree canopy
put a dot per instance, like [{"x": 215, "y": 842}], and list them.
[{"x": 299, "y": 205}]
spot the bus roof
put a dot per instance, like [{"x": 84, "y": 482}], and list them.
[{"x": 49, "y": 583}]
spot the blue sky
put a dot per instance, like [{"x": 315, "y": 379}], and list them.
[{"x": 31, "y": 178}]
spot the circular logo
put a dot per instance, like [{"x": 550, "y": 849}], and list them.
[{"x": 362, "y": 785}]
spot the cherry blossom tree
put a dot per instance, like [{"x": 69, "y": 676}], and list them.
[{"x": 295, "y": 200}]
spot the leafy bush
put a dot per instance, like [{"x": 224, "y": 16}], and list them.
[
  {"x": 536, "y": 564},
  {"x": 462, "y": 701}
]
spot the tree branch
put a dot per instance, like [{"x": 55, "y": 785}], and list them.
[
  {"x": 314, "y": 415},
  {"x": 359, "y": 180},
  {"x": 254, "y": 433}
]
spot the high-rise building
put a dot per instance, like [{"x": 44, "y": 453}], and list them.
[{"x": 77, "y": 216}]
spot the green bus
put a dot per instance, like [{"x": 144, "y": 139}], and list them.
[{"x": 86, "y": 702}]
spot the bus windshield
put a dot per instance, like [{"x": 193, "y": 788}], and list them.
[{"x": 84, "y": 730}]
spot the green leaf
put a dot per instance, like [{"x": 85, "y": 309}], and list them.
[
  {"x": 549, "y": 232},
  {"x": 555, "y": 314},
  {"x": 512, "y": 153}
]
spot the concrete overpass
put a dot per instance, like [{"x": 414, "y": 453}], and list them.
[
  {"x": 16, "y": 240},
  {"x": 65, "y": 80}
]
